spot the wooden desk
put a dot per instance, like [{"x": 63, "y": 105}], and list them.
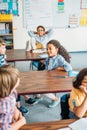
[
  {"x": 35, "y": 82},
  {"x": 53, "y": 125},
  {"x": 21, "y": 55}
]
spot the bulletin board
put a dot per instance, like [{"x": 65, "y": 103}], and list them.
[
  {"x": 9, "y": 7},
  {"x": 54, "y": 13}
]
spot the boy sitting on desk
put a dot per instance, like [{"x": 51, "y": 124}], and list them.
[
  {"x": 39, "y": 40},
  {"x": 40, "y": 37}
]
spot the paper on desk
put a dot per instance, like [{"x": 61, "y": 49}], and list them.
[
  {"x": 43, "y": 55},
  {"x": 80, "y": 124},
  {"x": 66, "y": 128},
  {"x": 39, "y": 50}
]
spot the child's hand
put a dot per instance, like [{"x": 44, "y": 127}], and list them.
[
  {"x": 84, "y": 89},
  {"x": 16, "y": 115},
  {"x": 22, "y": 118},
  {"x": 60, "y": 68},
  {"x": 20, "y": 122}
]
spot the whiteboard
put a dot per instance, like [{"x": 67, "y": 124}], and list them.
[
  {"x": 46, "y": 13},
  {"x": 73, "y": 39}
]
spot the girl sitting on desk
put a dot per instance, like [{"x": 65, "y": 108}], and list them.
[{"x": 58, "y": 58}]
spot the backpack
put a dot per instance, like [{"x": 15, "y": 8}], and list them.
[{"x": 64, "y": 106}]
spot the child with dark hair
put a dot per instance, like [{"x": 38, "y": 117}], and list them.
[
  {"x": 58, "y": 58},
  {"x": 40, "y": 37},
  {"x": 78, "y": 95},
  {"x": 58, "y": 55},
  {"x": 2, "y": 52}
]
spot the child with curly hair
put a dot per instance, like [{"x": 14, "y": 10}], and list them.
[{"x": 58, "y": 58}]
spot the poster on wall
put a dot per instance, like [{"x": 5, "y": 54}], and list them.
[
  {"x": 9, "y": 7},
  {"x": 83, "y": 4}
]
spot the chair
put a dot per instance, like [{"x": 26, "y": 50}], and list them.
[
  {"x": 28, "y": 46},
  {"x": 38, "y": 65},
  {"x": 64, "y": 106}
]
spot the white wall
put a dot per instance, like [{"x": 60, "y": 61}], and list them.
[
  {"x": 20, "y": 33},
  {"x": 73, "y": 39}
]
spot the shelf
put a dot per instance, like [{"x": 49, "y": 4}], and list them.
[
  {"x": 5, "y": 21},
  {"x": 6, "y": 17},
  {"x": 6, "y": 32},
  {"x": 9, "y": 44}
]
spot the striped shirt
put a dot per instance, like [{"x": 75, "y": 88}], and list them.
[
  {"x": 7, "y": 105},
  {"x": 2, "y": 60}
]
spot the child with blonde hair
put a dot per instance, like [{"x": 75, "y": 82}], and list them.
[
  {"x": 3, "y": 62},
  {"x": 10, "y": 117}
]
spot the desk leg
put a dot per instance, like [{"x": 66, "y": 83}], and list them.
[
  {"x": 14, "y": 63},
  {"x": 31, "y": 66}
]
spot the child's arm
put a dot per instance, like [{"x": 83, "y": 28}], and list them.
[
  {"x": 49, "y": 32},
  {"x": 32, "y": 33},
  {"x": 16, "y": 114},
  {"x": 20, "y": 122},
  {"x": 60, "y": 68},
  {"x": 80, "y": 110}
]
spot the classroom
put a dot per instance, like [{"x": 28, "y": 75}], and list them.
[
  {"x": 68, "y": 21},
  {"x": 70, "y": 37}
]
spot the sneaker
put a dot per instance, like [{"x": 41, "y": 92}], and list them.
[
  {"x": 38, "y": 99},
  {"x": 54, "y": 103},
  {"x": 23, "y": 109},
  {"x": 31, "y": 101}
]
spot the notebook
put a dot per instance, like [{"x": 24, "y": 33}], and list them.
[
  {"x": 80, "y": 124},
  {"x": 39, "y": 50},
  {"x": 43, "y": 55}
]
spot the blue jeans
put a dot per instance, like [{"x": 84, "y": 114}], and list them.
[
  {"x": 38, "y": 65},
  {"x": 72, "y": 115}
]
